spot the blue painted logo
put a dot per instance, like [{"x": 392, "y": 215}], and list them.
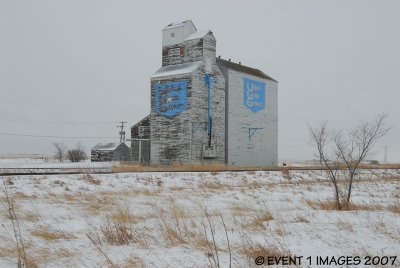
[
  {"x": 170, "y": 98},
  {"x": 254, "y": 94}
]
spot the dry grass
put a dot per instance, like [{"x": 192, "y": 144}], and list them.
[
  {"x": 302, "y": 219},
  {"x": 69, "y": 197},
  {"x": 258, "y": 249},
  {"x": 257, "y": 221},
  {"x": 380, "y": 225},
  {"x": 330, "y": 204},
  {"x": 8, "y": 252},
  {"x": 344, "y": 225},
  {"x": 253, "y": 249},
  {"x": 50, "y": 235},
  {"x": 395, "y": 234},
  {"x": 30, "y": 216},
  {"x": 322, "y": 204},
  {"x": 64, "y": 253},
  {"x": 88, "y": 178},
  {"x": 362, "y": 207},
  {"x": 241, "y": 209},
  {"x": 253, "y": 184},
  {"x": 202, "y": 244},
  {"x": 286, "y": 173},
  {"x": 133, "y": 262},
  {"x": 214, "y": 168},
  {"x": 58, "y": 183},
  {"x": 176, "y": 225},
  {"x": 395, "y": 208},
  {"x": 148, "y": 192},
  {"x": 94, "y": 203},
  {"x": 118, "y": 228},
  {"x": 212, "y": 185},
  {"x": 23, "y": 196},
  {"x": 176, "y": 188}
]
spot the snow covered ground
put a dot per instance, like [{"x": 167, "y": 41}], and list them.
[
  {"x": 49, "y": 163},
  {"x": 172, "y": 219}
]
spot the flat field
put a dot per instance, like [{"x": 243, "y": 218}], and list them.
[{"x": 199, "y": 219}]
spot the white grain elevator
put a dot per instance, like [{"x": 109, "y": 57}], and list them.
[{"x": 206, "y": 109}]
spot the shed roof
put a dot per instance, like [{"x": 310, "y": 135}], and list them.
[
  {"x": 107, "y": 146},
  {"x": 243, "y": 69},
  {"x": 176, "y": 69},
  {"x": 141, "y": 121}
]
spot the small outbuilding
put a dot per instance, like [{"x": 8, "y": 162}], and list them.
[
  {"x": 140, "y": 141},
  {"x": 104, "y": 152}
]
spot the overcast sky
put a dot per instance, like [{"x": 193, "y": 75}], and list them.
[{"x": 76, "y": 68}]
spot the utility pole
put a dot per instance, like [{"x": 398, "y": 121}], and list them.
[
  {"x": 122, "y": 132},
  {"x": 385, "y": 157}
]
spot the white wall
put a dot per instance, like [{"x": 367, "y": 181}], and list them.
[
  {"x": 180, "y": 32},
  {"x": 262, "y": 147}
]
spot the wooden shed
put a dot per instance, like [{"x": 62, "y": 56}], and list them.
[
  {"x": 103, "y": 152},
  {"x": 140, "y": 141}
]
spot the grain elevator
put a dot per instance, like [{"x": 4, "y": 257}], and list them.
[{"x": 205, "y": 109}]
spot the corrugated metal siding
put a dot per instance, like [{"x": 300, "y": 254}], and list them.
[{"x": 262, "y": 147}]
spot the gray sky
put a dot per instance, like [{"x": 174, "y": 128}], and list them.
[{"x": 76, "y": 68}]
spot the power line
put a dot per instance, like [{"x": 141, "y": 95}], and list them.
[
  {"x": 294, "y": 145},
  {"x": 50, "y": 136},
  {"x": 58, "y": 123}
]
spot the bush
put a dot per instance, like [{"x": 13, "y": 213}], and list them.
[{"x": 76, "y": 155}]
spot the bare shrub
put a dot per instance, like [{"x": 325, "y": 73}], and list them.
[
  {"x": 76, "y": 155},
  {"x": 60, "y": 151},
  {"x": 346, "y": 152}
]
